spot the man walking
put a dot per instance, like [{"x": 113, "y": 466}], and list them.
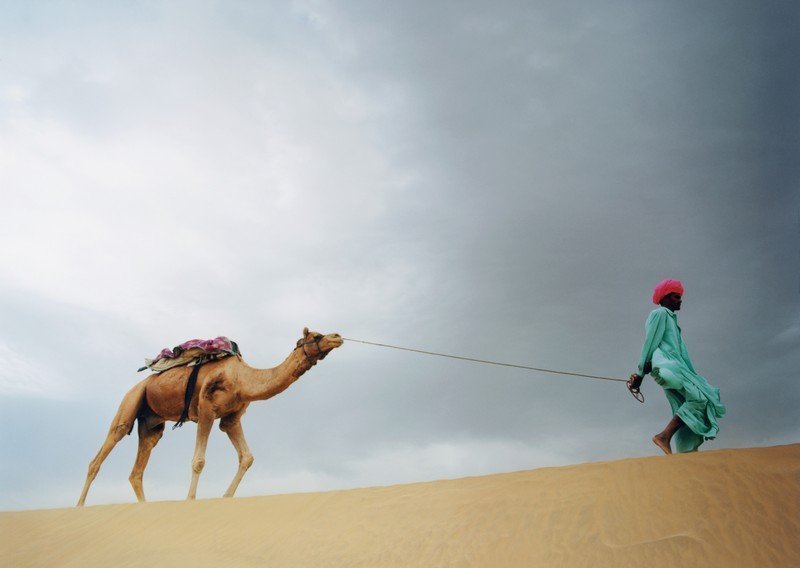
[{"x": 695, "y": 404}]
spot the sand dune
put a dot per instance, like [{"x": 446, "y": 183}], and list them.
[{"x": 715, "y": 508}]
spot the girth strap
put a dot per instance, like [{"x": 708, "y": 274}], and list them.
[{"x": 187, "y": 398}]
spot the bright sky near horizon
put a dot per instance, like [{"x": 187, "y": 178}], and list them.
[{"x": 502, "y": 180}]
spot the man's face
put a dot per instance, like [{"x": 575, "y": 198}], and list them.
[{"x": 672, "y": 301}]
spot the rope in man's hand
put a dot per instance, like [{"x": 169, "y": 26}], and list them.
[{"x": 634, "y": 383}]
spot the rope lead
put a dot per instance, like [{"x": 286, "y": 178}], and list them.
[{"x": 484, "y": 361}]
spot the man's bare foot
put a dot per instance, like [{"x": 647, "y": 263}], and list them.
[{"x": 663, "y": 443}]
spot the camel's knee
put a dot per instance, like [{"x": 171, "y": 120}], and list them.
[
  {"x": 246, "y": 461},
  {"x": 94, "y": 468},
  {"x": 198, "y": 465},
  {"x": 120, "y": 431}
]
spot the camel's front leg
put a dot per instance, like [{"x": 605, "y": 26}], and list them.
[
  {"x": 233, "y": 428},
  {"x": 204, "y": 423}
]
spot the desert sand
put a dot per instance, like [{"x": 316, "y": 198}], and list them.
[{"x": 713, "y": 508}]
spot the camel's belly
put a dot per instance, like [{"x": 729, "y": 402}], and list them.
[{"x": 165, "y": 393}]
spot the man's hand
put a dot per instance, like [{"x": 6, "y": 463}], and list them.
[
  {"x": 635, "y": 381},
  {"x": 633, "y": 385}
]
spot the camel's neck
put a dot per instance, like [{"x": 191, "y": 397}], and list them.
[{"x": 261, "y": 384}]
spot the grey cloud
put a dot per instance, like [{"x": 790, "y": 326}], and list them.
[{"x": 503, "y": 182}]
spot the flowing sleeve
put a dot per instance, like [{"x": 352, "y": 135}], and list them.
[{"x": 654, "y": 333}]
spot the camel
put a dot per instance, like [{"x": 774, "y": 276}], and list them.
[{"x": 224, "y": 390}]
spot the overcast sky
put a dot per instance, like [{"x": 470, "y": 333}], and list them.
[{"x": 503, "y": 180}]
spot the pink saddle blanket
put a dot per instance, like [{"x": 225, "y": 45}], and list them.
[{"x": 192, "y": 352}]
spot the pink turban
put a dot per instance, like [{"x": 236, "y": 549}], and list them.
[{"x": 666, "y": 287}]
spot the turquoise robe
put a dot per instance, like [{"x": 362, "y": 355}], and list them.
[{"x": 690, "y": 396}]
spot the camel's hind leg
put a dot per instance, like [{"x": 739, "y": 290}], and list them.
[
  {"x": 114, "y": 436},
  {"x": 148, "y": 438},
  {"x": 120, "y": 426}
]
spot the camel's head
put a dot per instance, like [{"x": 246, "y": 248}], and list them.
[{"x": 316, "y": 346}]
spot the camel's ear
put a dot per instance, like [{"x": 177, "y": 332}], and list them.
[{"x": 305, "y": 331}]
